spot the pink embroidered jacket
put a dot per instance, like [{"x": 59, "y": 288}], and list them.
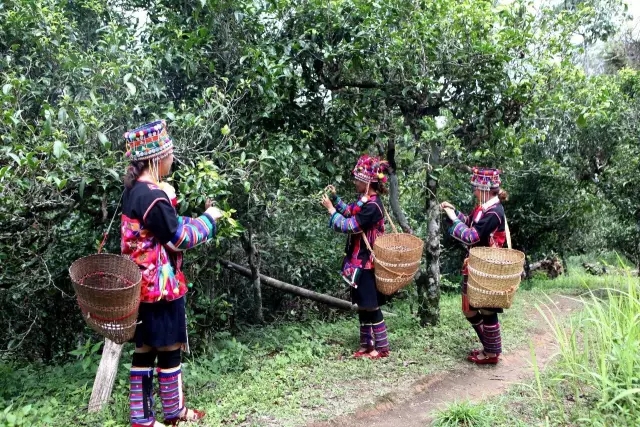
[{"x": 153, "y": 235}]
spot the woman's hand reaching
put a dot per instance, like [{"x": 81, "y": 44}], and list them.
[
  {"x": 331, "y": 189},
  {"x": 447, "y": 205},
  {"x": 212, "y": 210},
  {"x": 326, "y": 202},
  {"x": 450, "y": 213}
]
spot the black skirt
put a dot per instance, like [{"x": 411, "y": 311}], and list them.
[
  {"x": 366, "y": 295},
  {"x": 161, "y": 324}
]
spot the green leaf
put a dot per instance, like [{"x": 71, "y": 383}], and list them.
[
  {"x": 82, "y": 132},
  {"x": 104, "y": 140},
  {"x": 130, "y": 88},
  {"x": 127, "y": 77},
  {"x": 581, "y": 121},
  {"x": 225, "y": 130},
  {"x": 7, "y": 88},
  {"x": 83, "y": 184},
  {"x": 62, "y": 115},
  {"x": 15, "y": 157},
  {"x": 47, "y": 122},
  {"x": 58, "y": 148},
  {"x": 114, "y": 174}
]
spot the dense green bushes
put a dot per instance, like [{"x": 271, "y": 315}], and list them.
[{"x": 262, "y": 124}]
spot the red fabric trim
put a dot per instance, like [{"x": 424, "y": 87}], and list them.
[{"x": 159, "y": 199}]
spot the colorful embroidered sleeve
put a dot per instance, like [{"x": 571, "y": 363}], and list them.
[
  {"x": 342, "y": 224},
  {"x": 368, "y": 216},
  {"x": 462, "y": 217},
  {"x": 342, "y": 208},
  {"x": 191, "y": 232},
  {"x": 472, "y": 235},
  {"x": 178, "y": 233},
  {"x": 462, "y": 232}
]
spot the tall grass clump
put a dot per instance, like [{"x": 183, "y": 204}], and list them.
[{"x": 600, "y": 353}]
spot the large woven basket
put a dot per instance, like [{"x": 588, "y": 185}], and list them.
[
  {"x": 482, "y": 297},
  {"x": 108, "y": 292},
  {"x": 396, "y": 258},
  {"x": 494, "y": 275}
]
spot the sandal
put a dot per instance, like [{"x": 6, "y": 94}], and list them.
[
  {"x": 486, "y": 360},
  {"x": 362, "y": 352},
  {"x": 475, "y": 352},
  {"x": 378, "y": 355},
  {"x": 189, "y": 416}
]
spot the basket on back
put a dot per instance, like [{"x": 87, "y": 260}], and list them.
[
  {"x": 494, "y": 275},
  {"x": 108, "y": 291},
  {"x": 396, "y": 258}
]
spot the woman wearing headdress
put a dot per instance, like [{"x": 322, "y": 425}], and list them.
[
  {"x": 154, "y": 236},
  {"x": 363, "y": 220},
  {"x": 484, "y": 226}
]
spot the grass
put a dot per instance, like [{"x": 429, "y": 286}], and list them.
[
  {"x": 285, "y": 374},
  {"x": 596, "y": 379},
  {"x": 465, "y": 414},
  {"x": 277, "y": 375}
]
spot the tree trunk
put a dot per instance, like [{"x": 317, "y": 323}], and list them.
[
  {"x": 253, "y": 256},
  {"x": 394, "y": 190},
  {"x": 106, "y": 376},
  {"x": 429, "y": 283}
]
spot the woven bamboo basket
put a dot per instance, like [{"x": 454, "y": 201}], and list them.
[
  {"x": 396, "y": 258},
  {"x": 494, "y": 275},
  {"x": 108, "y": 292},
  {"x": 482, "y": 297}
]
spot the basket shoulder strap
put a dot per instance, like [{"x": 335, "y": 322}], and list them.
[
  {"x": 507, "y": 232},
  {"x": 393, "y": 226},
  {"x": 366, "y": 242}
]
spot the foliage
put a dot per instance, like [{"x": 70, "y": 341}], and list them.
[
  {"x": 593, "y": 368},
  {"x": 598, "y": 356},
  {"x": 464, "y": 414},
  {"x": 269, "y": 102},
  {"x": 289, "y": 372}
]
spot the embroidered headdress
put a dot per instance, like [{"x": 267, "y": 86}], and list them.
[
  {"x": 485, "y": 179},
  {"x": 371, "y": 169},
  {"x": 149, "y": 141}
]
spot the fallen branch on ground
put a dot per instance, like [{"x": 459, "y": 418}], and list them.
[{"x": 292, "y": 289}]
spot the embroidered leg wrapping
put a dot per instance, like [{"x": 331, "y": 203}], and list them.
[
  {"x": 477, "y": 323},
  {"x": 141, "y": 389},
  {"x": 380, "y": 332},
  {"x": 170, "y": 380},
  {"x": 492, "y": 337},
  {"x": 366, "y": 330}
]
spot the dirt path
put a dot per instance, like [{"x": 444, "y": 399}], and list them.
[{"x": 414, "y": 406}]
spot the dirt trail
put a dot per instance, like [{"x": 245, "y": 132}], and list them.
[{"x": 414, "y": 406}]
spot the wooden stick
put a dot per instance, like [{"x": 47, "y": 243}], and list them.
[{"x": 106, "y": 376}]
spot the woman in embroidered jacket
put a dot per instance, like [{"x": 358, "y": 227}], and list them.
[
  {"x": 363, "y": 220},
  {"x": 485, "y": 226},
  {"x": 154, "y": 236}
]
